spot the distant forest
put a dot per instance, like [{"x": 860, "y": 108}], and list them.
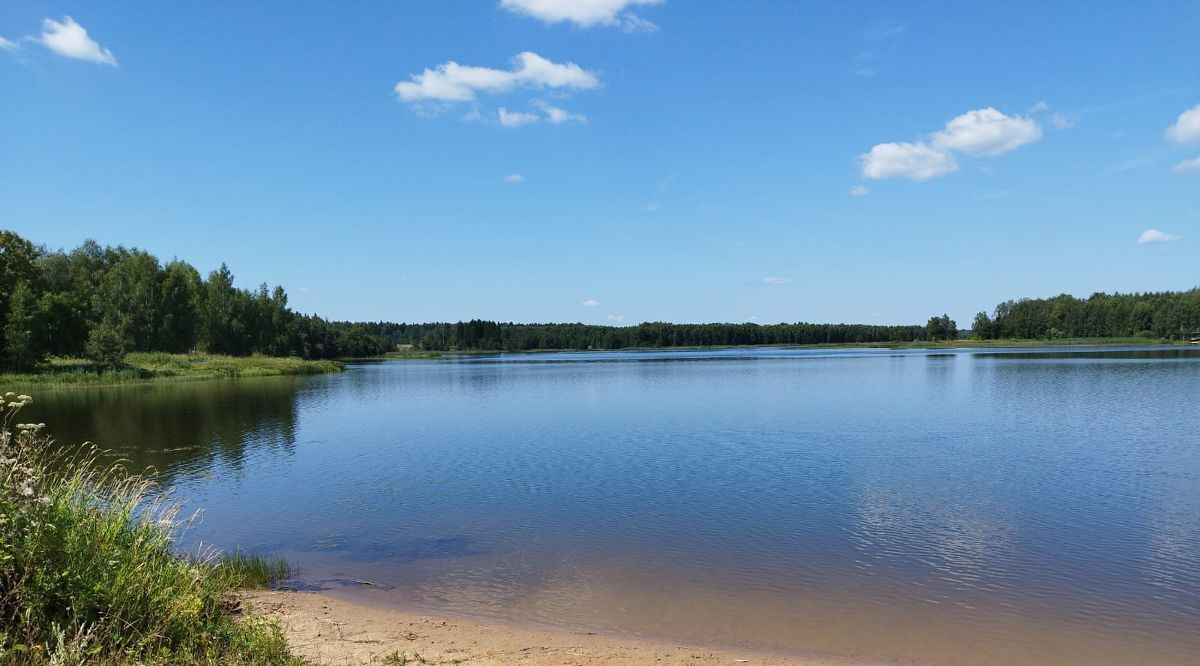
[
  {"x": 102, "y": 302},
  {"x": 1168, "y": 315}
]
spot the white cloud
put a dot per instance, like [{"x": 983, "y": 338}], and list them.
[
  {"x": 859, "y": 191},
  {"x": 1187, "y": 127},
  {"x": 776, "y": 280},
  {"x": 633, "y": 23},
  {"x": 1040, "y": 107},
  {"x": 8, "y": 45},
  {"x": 1187, "y": 165},
  {"x": 558, "y": 116},
  {"x": 71, "y": 40},
  {"x": 917, "y": 161},
  {"x": 981, "y": 132},
  {"x": 987, "y": 132},
  {"x": 514, "y": 178},
  {"x": 591, "y": 303},
  {"x": 584, "y": 13},
  {"x": 452, "y": 82},
  {"x": 516, "y": 118},
  {"x": 1156, "y": 236},
  {"x": 616, "y": 319}
]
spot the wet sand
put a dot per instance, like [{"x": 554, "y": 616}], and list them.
[{"x": 332, "y": 631}]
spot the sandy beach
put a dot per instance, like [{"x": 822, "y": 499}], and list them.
[{"x": 332, "y": 631}]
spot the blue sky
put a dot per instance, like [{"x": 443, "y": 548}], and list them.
[{"x": 679, "y": 161}]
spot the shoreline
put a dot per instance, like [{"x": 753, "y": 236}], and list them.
[
  {"x": 1067, "y": 344},
  {"x": 204, "y": 367},
  {"x": 142, "y": 368},
  {"x": 329, "y": 630}
]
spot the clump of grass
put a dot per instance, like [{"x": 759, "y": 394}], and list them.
[
  {"x": 250, "y": 571},
  {"x": 88, "y": 574}
]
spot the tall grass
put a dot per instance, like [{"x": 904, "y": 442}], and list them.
[{"x": 88, "y": 574}]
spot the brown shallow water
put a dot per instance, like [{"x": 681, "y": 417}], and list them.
[{"x": 1006, "y": 507}]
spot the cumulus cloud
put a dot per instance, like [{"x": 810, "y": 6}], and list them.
[
  {"x": 987, "y": 132},
  {"x": 1187, "y": 127},
  {"x": 8, "y": 45},
  {"x": 1156, "y": 236},
  {"x": 917, "y": 161},
  {"x": 452, "y": 82},
  {"x": 591, "y": 303},
  {"x": 514, "y": 178},
  {"x": 70, "y": 39},
  {"x": 981, "y": 132},
  {"x": 1187, "y": 165},
  {"x": 516, "y": 118},
  {"x": 859, "y": 191},
  {"x": 776, "y": 280},
  {"x": 585, "y": 13}
]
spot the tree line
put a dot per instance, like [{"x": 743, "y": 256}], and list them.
[
  {"x": 102, "y": 302},
  {"x": 489, "y": 335},
  {"x": 1169, "y": 315}
]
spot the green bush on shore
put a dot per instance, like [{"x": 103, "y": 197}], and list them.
[{"x": 88, "y": 574}]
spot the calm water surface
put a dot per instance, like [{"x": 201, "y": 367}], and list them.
[{"x": 956, "y": 507}]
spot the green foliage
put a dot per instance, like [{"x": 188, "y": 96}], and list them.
[
  {"x": 22, "y": 330},
  {"x": 494, "y": 336},
  {"x": 941, "y": 328},
  {"x": 101, "y": 302},
  {"x": 106, "y": 344},
  {"x": 1162, "y": 315},
  {"x": 982, "y": 327},
  {"x": 249, "y": 571},
  {"x": 179, "y": 294},
  {"x": 88, "y": 575},
  {"x": 17, "y": 267}
]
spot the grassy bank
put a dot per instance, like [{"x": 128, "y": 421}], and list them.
[
  {"x": 159, "y": 366},
  {"x": 88, "y": 574}
]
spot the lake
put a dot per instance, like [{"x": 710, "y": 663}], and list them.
[{"x": 967, "y": 506}]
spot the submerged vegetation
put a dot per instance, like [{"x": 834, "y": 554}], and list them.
[{"x": 88, "y": 573}]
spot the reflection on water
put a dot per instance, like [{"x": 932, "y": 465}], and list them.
[
  {"x": 1008, "y": 506},
  {"x": 177, "y": 429}
]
